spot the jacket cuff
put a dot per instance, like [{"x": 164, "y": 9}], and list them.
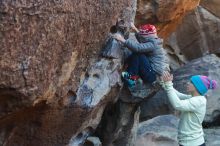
[{"x": 168, "y": 85}]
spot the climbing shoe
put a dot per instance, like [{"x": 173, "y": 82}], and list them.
[{"x": 130, "y": 80}]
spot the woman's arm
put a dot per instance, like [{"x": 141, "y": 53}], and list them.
[
  {"x": 190, "y": 104},
  {"x": 181, "y": 95}
]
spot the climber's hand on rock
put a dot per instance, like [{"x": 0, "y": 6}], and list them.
[
  {"x": 119, "y": 37},
  {"x": 134, "y": 27},
  {"x": 166, "y": 77}
]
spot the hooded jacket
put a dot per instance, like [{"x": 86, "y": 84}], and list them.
[{"x": 153, "y": 48}]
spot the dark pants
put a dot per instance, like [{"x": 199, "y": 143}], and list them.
[
  {"x": 138, "y": 64},
  {"x": 199, "y": 145}
]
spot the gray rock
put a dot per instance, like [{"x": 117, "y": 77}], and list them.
[
  {"x": 80, "y": 138},
  {"x": 92, "y": 141},
  {"x": 159, "y": 131},
  {"x": 143, "y": 90},
  {"x": 101, "y": 77},
  {"x": 212, "y": 136},
  {"x": 112, "y": 49},
  {"x": 162, "y": 131},
  {"x": 155, "y": 106},
  {"x": 119, "y": 124}
]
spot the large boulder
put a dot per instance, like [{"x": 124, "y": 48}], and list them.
[
  {"x": 167, "y": 14},
  {"x": 162, "y": 131},
  {"x": 196, "y": 36},
  {"x": 208, "y": 65},
  {"x": 46, "y": 46},
  {"x": 212, "y": 6},
  {"x": 159, "y": 131},
  {"x": 212, "y": 136},
  {"x": 119, "y": 123},
  {"x": 53, "y": 85}
]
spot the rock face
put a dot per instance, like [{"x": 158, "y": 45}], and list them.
[
  {"x": 207, "y": 65},
  {"x": 53, "y": 85},
  {"x": 212, "y": 6},
  {"x": 159, "y": 131},
  {"x": 167, "y": 14},
  {"x": 212, "y": 136},
  {"x": 162, "y": 131},
  {"x": 197, "y": 35},
  {"x": 41, "y": 43},
  {"x": 119, "y": 124}
]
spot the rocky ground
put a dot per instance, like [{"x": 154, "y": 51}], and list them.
[{"x": 162, "y": 131}]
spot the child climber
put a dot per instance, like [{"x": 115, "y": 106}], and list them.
[
  {"x": 192, "y": 107},
  {"x": 148, "y": 58}
]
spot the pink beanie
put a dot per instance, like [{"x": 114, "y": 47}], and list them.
[{"x": 147, "y": 29}]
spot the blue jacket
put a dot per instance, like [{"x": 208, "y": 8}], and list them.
[{"x": 153, "y": 48}]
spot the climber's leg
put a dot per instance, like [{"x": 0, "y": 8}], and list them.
[
  {"x": 145, "y": 70},
  {"x": 131, "y": 74},
  {"x": 133, "y": 64}
]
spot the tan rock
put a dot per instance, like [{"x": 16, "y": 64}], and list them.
[
  {"x": 212, "y": 6},
  {"x": 47, "y": 48},
  {"x": 166, "y": 14},
  {"x": 196, "y": 36}
]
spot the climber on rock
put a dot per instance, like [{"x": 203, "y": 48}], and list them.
[
  {"x": 192, "y": 107},
  {"x": 148, "y": 59}
]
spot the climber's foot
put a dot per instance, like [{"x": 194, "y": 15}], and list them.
[{"x": 130, "y": 80}]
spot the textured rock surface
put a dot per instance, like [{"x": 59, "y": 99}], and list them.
[
  {"x": 49, "y": 55},
  {"x": 119, "y": 124},
  {"x": 207, "y": 65},
  {"x": 102, "y": 76},
  {"x": 92, "y": 141},
  {"x": 212, "y": 6},
  {"x": 167, "y": 14},
  {"x": 42, "y": 41},
  {"x": 212, "y": 136},
  {"x": 196, "y": 36},
  {"x": 162, "y": 131},
  {"x": 159, "y": 131}
]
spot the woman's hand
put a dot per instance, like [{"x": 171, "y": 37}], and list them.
[
  {"x": 166, "y": 77},
  {"x": 119, "y": 37}
]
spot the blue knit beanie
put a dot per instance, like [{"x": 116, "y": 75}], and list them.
[{"x": 203, "y": 83}]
